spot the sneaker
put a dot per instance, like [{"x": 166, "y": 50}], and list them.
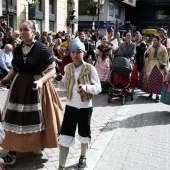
[
  {"x": 61, "y": 168},
  {"x": 82, "y": 163},
  {"x": 8, "y": 160}
]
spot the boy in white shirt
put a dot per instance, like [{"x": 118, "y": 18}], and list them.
[{"x": 81, "y": 82}]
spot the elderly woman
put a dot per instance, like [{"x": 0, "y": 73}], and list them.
[
  {"x": 103, "y": 54},
  {"x": 156, "y": 64}
]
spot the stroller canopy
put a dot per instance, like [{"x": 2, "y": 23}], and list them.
[{"x": 121, "y": 66}]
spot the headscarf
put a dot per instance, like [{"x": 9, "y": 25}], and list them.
[
  {"x": 104, "y": 50},
  {"x": 156, "y": 49}
]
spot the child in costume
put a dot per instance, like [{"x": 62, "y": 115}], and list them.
[{"x": 81, "y": 82}]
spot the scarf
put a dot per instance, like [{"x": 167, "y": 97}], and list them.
[
  {"x": 104, "y": 50},
  {"x": 156, "y": 49}
]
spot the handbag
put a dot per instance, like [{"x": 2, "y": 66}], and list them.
[{"x": 165, "y": 96}]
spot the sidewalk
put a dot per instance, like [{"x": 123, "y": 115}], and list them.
[
  {"x": 130, "y": 137},
  {"x": 102, "y": 114},
  {"x": 137, "y": 140}
]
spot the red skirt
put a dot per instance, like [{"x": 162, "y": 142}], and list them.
[
  {"x": 66, "y": 60},
  {"x": 125, "y": 80}
]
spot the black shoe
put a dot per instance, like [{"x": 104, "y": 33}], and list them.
[
  {"x": 157, "y": 98},
  {"x": 150, "y": 96},
  {"x": 82, "y": 163},
  {"x": 61, "y": 168}
]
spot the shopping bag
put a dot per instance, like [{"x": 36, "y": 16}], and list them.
[{"x": 165, "y": 96}]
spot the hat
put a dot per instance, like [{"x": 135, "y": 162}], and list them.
[
  {"x": 77, "y": 44},
  {"x": 137, "y": 33}
]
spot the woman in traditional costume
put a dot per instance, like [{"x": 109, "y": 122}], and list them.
[
  {"x": 32, "y": 114},
  {"x": 156, "y": 64},
  {"x": 103, "y": 54}
]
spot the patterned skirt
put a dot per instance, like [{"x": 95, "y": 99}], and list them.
[
  {"x": 103, "y": 69},
  {"x": 31, "y": 119},
  {"x": 154, "y": 84}
]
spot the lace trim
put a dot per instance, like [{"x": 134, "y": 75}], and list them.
[
  {"x": 24, "y": 107},
  {"x": 23, "y": 129},
  {"x": 7, "y": 99}
]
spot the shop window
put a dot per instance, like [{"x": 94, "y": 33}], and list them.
[
  {"x": 122, "y": 13},
  {"x": 83, "y": 7},
  {"x": 38, "y": 25},
  {"x": 9, "y": 2},
  {"x": 51, "y": 26},
  {"x": 111, "y": 9},
  {"x": 38, "y": 6},
  {"x": 162, "y": 13},
  {"x": 117, "y": 12},
  {"x": 51, "y": 4}
]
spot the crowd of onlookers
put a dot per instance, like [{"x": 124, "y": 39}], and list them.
[
  {"x": 33, "y": 64},
  {"x": 100, "y": 48}
]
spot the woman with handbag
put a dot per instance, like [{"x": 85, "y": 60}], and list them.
[{"x": 155, "y": 67}]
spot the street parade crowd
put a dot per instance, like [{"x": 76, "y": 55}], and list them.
[{"x": 81, "y": 63}]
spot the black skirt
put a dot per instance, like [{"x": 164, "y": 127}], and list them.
[{"x": 22, "y": 112}]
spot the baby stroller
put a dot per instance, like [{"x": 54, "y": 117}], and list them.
[{"x": 121, "y": 67}]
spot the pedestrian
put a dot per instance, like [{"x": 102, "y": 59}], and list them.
[
  {"x": 164, "y": 40},
  {"x": 8, "y": 38},
  {"x": 81, "y": 82},
  {"x": 89, "y": 48},
  {"x": 32, "y": 114},
  {"x": 127, "y": 49},
  {"x": 155, "y": 68},
  {"x": 111, "y": 40},
  {"x": 140, "y": 49},
  {"x": 1, "y": 38},
  {"x": 6, "y": 57},
  {"x": 103, "y": 55},
  {"x": 64, "y": 53},
  {"x": 119, "y": 41},
  {"x": 17, "y": 37}
]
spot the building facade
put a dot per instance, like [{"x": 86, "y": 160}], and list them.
[
  {"x": 111, "y": 14},
  {"x": 50, "y": 15},
  {"x": 150, "y": 14}
]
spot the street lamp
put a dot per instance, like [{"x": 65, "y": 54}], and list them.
[{"x": 91, "y": 10}]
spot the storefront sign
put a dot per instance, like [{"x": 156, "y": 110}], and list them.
[{"x": 89, "y": 24}]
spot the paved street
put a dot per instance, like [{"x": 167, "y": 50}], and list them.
[{"x": 130, "y": 137}]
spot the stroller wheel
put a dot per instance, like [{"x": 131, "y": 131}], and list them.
[
  {"x": 109, "y": 99},
  {"x": 123, "y": 99},
  {"x": 110, "y": 95},
  {"x": 132, "y": 95}
]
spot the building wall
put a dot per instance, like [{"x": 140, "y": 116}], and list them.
[
  {"x": 60, "y": 11},
  {"x": 107, "y": 16},
  {"x": 152, "y": 18}
]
